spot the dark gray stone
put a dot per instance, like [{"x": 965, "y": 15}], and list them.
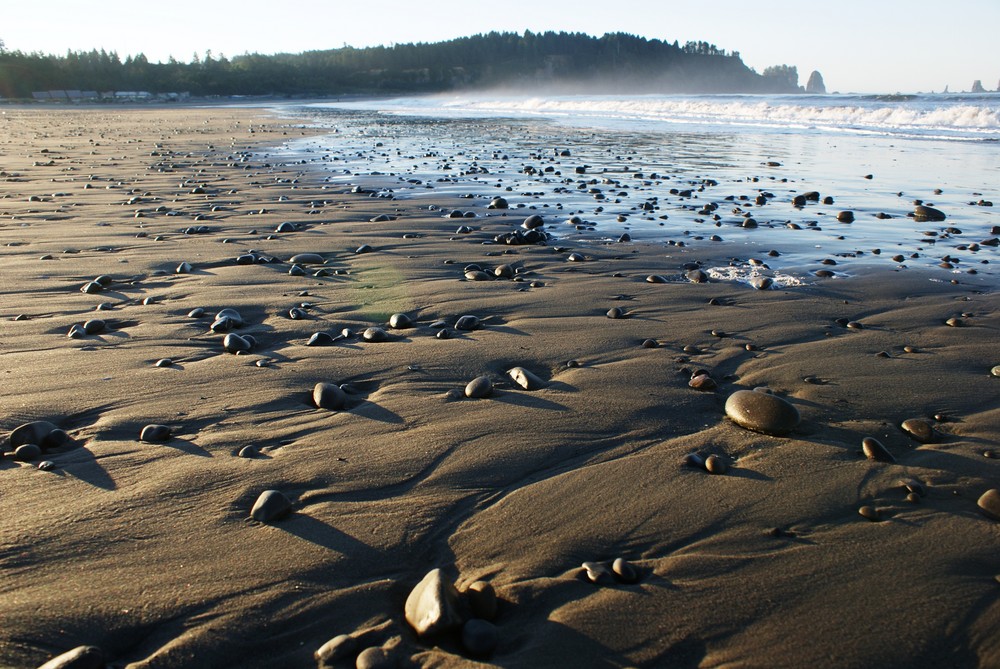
[
  {"x": 155, "y": 434},
  {"x": 329, "y": 396},
  {"x": 271, "y": 505}
]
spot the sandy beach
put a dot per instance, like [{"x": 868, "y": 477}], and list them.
[{"x": 826, "y": 537}]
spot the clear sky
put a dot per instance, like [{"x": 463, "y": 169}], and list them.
[{"x": 868, "y": 46}]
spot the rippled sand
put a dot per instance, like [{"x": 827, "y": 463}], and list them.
[{"x": 146, "y": 550}]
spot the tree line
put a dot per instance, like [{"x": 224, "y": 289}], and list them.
[{"x": 616, "y": 62}]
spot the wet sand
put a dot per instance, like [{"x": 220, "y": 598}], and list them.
[{"x": 802, "y": 552}]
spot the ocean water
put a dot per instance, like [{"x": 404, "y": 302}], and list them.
[{"x": 687, "y": 170}]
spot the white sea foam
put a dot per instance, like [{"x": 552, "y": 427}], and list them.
[
  {"x": 746, "y": 274},
  {"x": 948, "y": 117}
]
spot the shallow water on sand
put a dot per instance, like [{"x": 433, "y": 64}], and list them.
[{"x": 691, "y": 187}]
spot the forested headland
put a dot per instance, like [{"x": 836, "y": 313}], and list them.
[{"x": 558, "y": 62}]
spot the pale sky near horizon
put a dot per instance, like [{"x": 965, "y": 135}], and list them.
[{"x": 865, "y": 46}]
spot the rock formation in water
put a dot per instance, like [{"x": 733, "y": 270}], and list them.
[
  {"x": 815, "y": 83},
  {"x": 977, "y": 86}
]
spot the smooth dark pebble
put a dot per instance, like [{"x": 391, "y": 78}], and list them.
[
  {"x": 94, "y": 326},
  {"x": 155, "y": 433},
  {"x": 482, "y": 599},
  {"x": 234, "y": 343},
  {"x": 27, "y": 452},
  {"x": 870, "y": 512},
  {"x": 921, "y": 430},
  {"x": 702, "y": 382},
  {"x": 467, "y": 323},
  {"x": 320, "y": 339},
  {"x": 762, "y": 412},
  {"x": 715, "y": 465},
  {"x": 39, "y": 432},
  {"x": 400, "y": 321},
  {"x": 329, "y": 396},
  {"x": 479, "y": 387},
  {"x": 374, "y": 334}
]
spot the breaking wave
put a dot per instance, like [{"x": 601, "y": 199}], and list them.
[{"x": 921, "y": 116}]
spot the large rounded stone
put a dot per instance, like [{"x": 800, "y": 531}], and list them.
[
  {"x": 234, "y": 343},
  {"x": 376, "y": 335},
  {"x": 94, "y": 326},
  {"x": 922, "y": 213},
  {"x": 467, "y": 323},
  {"x": 271, "y": 505},
  {"x": 532, "y": 222},
  {"x": 306, "y": 259},
  {"x": 36, "y": 432},
  {"x": 400, "y": 321},
  {"x": 762, "y": 412},
  {"x": 432, "y": 605},
  {"x": 329, "y": 396}
]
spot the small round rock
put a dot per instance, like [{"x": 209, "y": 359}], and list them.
[{"x": 715, "y": 465}]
